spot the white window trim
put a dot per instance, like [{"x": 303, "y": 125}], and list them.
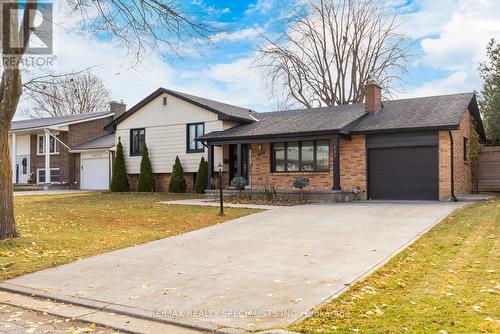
[
  {"x": 38, "y": 175},
  {"x": 38, "y": 146}
]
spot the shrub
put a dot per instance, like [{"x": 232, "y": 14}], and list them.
[
  {"x": 300, "y": 182},
  {"x": 119, "y": 180},
  {"x": 201, "y": 177},
  {"x": 270, "y": 193},
  {"x": 177, "y": 182},
  {"x": 239, "y": 182},
  {"x": 145, "y": 183}
]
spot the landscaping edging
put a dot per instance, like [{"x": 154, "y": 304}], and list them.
[{"x": 333, "y": 196}]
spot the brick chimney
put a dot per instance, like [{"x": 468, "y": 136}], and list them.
[
  {"x": 373, "y": 95},
  {"x": 117, "y": 108}
]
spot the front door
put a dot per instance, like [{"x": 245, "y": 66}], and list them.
[
  {"x": 233, "y": 161},
  {"x": 22, "y": 169}
]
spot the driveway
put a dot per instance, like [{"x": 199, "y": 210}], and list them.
[{"x": 259, "y": 271}]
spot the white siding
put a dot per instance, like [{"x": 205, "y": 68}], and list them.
[
  {"x": 23, "y": 145},
  {"x": 166, "y": 134}
]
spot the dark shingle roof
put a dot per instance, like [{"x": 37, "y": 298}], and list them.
[
  {"x": 224, "y": 110},
  {"x": 422, "y": 112},
  {"x": 324, "y": 119},
  {"x": 106, "y": 141},
  {"x": 443, "y": 111},
  {"x": 51, "y": 121}
]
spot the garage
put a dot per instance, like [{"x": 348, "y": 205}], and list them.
[
  {"x": 94, "y": 167},
  {"x": 403, "y": 166}
]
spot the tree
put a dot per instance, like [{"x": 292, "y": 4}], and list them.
[
  {"x": 201, "y": 177},
  {"x": 119, "y": 179},
  {"x": 177, "y": 182},
  {"x": 146, "y": 181},
  {"x": 139, "y": 25},
  {"x": 59, "y": 95},
  {"x": 490, "y": 94},
  {"x": 328, "y": 51}
]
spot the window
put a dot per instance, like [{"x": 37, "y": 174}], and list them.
[
  {"x": 306, "y": 156},
  {"x": 137, "y": 141},
  {"x": 193, "y": 131},
  {"x": 54, "y": 176},
  {"x": 52, "y": 145},
  {"x": 466, "y": 148},
  {"x": 164, "y": 101}
]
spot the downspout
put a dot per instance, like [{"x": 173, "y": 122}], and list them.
[{"x": 453, "y": 198}]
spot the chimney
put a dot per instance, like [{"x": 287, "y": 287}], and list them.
[
  {"x": 373, "y": 95},
  {"x": 117, "y": 108}
]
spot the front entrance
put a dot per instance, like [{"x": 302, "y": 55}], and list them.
[
  {"x": 233, "y": 161},
  {"x": 22, "y": 169}
]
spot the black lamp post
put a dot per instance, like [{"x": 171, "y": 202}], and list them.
[{"x": 221, "y": 198}]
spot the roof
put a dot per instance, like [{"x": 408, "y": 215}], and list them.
[
  {"x": 324, "y": 119},
  {"x": 103, "y": 142},
  {"x": 58, "y": 120},
  {"x": 421, "y": 112},
  {"x": 225, "y": 111},
  {"x": 433, "y": 112}
]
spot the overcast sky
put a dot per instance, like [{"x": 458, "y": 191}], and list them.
[{"x": 449, "y": 37}]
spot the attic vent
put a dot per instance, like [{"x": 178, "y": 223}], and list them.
[{"x": 164, "y": 101}]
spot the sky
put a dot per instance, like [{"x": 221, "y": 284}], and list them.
[{"x": 449, "y": 39}]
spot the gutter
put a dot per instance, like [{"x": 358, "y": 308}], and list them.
[{"x": 453, "y": 198}]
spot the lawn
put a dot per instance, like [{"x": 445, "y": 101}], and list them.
[
  {"x": 446, "y": 282},
  {"x": 59, "y": 229}
]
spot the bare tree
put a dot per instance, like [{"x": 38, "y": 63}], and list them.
[
  {"x": 58, "y": 95},
  {"x": 138, "y": 24},
  {"x": 329, "y": 50}
]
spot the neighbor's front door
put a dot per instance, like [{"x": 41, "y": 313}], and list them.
[{"x": 23, "y": 169}]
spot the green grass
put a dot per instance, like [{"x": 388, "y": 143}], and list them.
[
  {"x": 59, "y": 229},
  {"x": 448, "y": 281}
]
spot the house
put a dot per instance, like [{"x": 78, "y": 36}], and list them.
[
  {"x": 408, "y": 149},
  {"x": 169, "y": 122},
  {"x": 75, "y": 149}
]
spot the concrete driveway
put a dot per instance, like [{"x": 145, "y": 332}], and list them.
[{"x": 260, "y": 271}]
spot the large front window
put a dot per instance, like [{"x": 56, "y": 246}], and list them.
[
  {"x": 304, "y": 156},
  {"x": 193, "y": 131},
  {"x": 137, "y": 141}
]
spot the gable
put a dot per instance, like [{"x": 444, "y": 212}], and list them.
[{"x": 177, "y": 111}]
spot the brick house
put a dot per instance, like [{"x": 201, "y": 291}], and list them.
[
  {"x": 75, "y": 149},
  {"x": 399, "y": 149}
]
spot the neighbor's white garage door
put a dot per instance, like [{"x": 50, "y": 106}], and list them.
[{"x": 94, "y": 171}]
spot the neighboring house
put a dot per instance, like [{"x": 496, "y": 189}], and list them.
[
  {"x": 401, "y": 149},
  {"x": 168, "y": 122},
  {"x": 75, "y": 149}
]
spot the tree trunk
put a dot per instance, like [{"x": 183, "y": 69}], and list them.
[
  {"x": 7, "y": 221},
  {"x": 10, "y": 92}
]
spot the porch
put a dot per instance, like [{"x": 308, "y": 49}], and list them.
[{"x": 274, "y": 163}]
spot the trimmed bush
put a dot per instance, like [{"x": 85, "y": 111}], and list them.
[
  {"x": 300, "y": 182},
  {"x": 119, "y": 180},
  {"x": 239, "y": 182},
  {"x": 177, "y": 182},
  {"x": 146, "y": 182},
  {"x": 201, "y": 177}
]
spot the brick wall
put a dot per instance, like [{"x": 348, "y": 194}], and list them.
[
  {"x": 62, "y": 160},
  {"x": 262, "y": 176},
  {"x": 353, "y": 164},
  {"x": 462, "y": 171},
  {"x": 83, "y": 132},
  {"x": 161, "y": 181}
]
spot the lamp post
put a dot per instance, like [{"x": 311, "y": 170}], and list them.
[{"x": 221, "y": 199}]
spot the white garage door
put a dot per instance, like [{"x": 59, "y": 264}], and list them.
[{"x": 95, "y": 173}]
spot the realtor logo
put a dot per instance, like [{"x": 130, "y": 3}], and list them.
[{"x": 31, "y": 17}]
